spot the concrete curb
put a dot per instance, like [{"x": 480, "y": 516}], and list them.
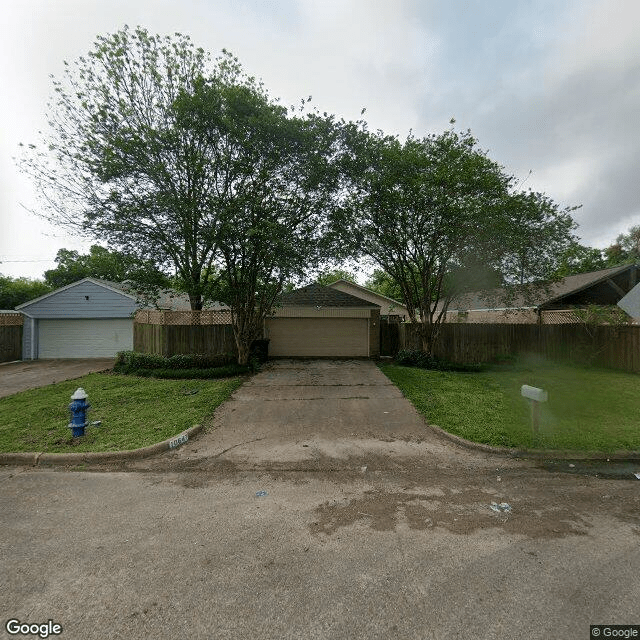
[
  {"x": 619, "y": 456},
  {"x": 33, "y": 459}
]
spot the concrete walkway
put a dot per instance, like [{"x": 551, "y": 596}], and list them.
[{"x": 31, "y": 374}]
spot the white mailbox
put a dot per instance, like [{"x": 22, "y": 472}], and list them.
[{"x": 533, "y": 393}]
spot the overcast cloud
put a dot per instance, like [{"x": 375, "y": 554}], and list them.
[{"x": 550, "y": 88}]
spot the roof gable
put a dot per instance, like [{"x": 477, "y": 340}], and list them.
[
  {"x": 369, "y": 292},
  {"x": 87, "y": 298},
  {"x": 167, "y": 299},
  {"x": 543, "y": 296},
  {"x": 111, "y": 286},
  {"x": 316, "y": 295}
]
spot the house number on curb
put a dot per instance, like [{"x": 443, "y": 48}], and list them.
[{"x": 176, "y": 442}]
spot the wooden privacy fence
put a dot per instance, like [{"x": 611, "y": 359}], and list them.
[
  {"x": 10, "y": 336},
  {"x": 168, "y": 333},
  {"x": 389, "y": 338},
  {"x": 616, "y": 347},
  {"x": 172, "y": 339}
]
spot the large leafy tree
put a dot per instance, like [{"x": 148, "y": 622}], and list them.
[
  {"x": 15, "y": 291},
  {"x": 104, "y": 264},
  {"x": 277, "y": 180},
  {"x": 441, "y": 218},
  {"x": 578, "y": 258},
  {"x": 329, "y": 276},
  {"x": 535, "y": 234},
  {"x": 626, "y": 248},
  {"x": 115, "y": 165},
  {"x": 381, "y": 282},
  {"x": 167, "y": 156}
]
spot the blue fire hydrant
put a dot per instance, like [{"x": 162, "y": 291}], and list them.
[{"x": 78, "y": 408}]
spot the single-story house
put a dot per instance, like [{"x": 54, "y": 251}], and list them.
[
  {"x": 317, "y": 321},
  {"x": 90, "y": 318},
  {"x": 389, "y": 308},
  {"x": 550, "y": 304},
  {"x": 94, "y": 318}
]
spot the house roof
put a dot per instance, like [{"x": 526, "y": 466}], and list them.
[
  {"x": 168, "y": 299},
  {"x": 316, "y": 295},
  {"x": 368, "y": 291},
  {"x": 103, "y": 283},
  {"x": 528, "y": 297}
]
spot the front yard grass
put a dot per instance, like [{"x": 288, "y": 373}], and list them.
[
  {"x": 135, "y": 412},
  {"x": 589, "y": 409}
]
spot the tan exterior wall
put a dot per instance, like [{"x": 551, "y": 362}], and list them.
[
  {"x": 386, "y": 308},
  {"x": 319, "y": 337}
]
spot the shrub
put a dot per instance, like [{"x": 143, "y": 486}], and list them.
[
  {"x": 132, "y": 361},
  {"x": 422, "y": 360},
  {"x": 415, "y": 358},
  {"x": 201, "y": 374}
]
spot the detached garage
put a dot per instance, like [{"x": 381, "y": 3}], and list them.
[
  {"x": 317, "y": 322},
  {"x": 87, "y": 319}
]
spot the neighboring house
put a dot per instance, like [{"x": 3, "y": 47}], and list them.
[
  {"x": 316, "y": 321},
  {"x": 90, "y": 318},
  {"x": 389, "y": 308},
  {"x": 552, "y": 304}
]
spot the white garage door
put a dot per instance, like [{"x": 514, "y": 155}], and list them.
[
  {"x": 86, "y": 338},
  {"x": 317, "y": 337}
]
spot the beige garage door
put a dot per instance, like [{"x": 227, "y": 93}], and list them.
[
  {"x": 315, "y": 337},
  {"x": 85, "y": 338}
]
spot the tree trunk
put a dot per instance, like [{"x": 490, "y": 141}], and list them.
[
  {"x": 196, "y": 302},
  {"x": 243, "y": 352},
  {"x": 245, "y": 333},
  {"x": 427, "y": 337}
]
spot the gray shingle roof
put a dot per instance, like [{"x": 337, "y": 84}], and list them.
[
  {"x": 168, "y": 299},
  {"x": 501, "y": 298},
  {"x": 368, "y": 291},
  {"x": 315, "y": 295}
]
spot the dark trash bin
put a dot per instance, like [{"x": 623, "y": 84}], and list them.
[{"x": 259, "y": 349}]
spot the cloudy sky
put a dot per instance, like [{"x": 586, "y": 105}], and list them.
[{"x": 550, "y": 87}]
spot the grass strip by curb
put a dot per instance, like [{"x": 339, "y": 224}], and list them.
[
  {"x": 134, "y": 413},
  {"x": 589, "y": 409}
]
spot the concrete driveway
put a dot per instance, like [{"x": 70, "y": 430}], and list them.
[
  {"x": 315, "y": 411},
  {"x": 30, "y": 374}
]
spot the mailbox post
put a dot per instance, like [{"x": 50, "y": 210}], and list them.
[{"x": 536, "y": 396}]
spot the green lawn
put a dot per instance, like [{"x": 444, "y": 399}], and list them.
[
  {"x": 135, "y": 412},
  {"x": 588, "y": 409}
]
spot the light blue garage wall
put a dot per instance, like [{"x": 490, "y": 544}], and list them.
[{"x": 85, "y": 299}]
